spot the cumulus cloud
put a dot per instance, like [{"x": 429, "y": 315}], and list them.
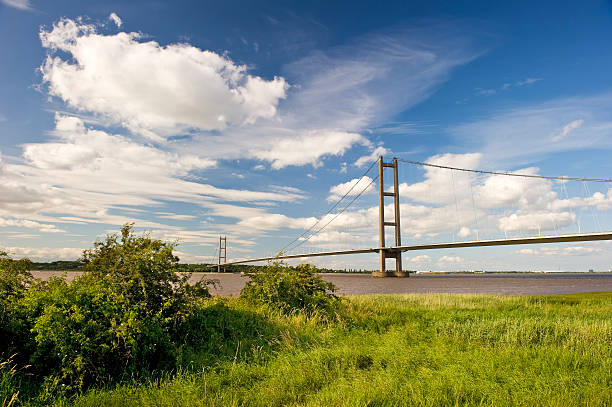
[
  {"x": 465, "y": 203},
  {"x": 378, "y": 151},
  {"x": 352, "y": 188},
  {"x": 536, "y": 221},
  {"x": 423, "y": 258},
  {"x": 442, "y": 185},
  {"x": 309, "y": 148},
  {"x": 561, "y": 251},
  {"x": 217, "y": 108},
  {"x": 152, "y": 89},
  {"x": 501, "y": 191},
  {"x": 46, "y": 253},
  {"x": 450, "y": 259}
]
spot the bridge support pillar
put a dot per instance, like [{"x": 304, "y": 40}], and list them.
[
  {"x": 222, "y": 254},
  {"x": 386, "y": 252}
]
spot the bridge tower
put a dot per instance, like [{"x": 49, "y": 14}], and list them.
[
  {"x": 222, "y": 253},
  {"x": 384, "y": 251}
]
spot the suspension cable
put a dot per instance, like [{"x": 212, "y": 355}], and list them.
[
  {"x": 510, "y": 174},
  {"x": 336, "y": 215},
  {"x": 330, "y": 209}
]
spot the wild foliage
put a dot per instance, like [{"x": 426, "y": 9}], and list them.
[
  {"x": 121, "y": 319},
  {"x": 290, "y": 288},
  {"x": 415, "y": 350}
]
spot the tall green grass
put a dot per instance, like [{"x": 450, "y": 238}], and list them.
[{"x": 422, "y": 349}]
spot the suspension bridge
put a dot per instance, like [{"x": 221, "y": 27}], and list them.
[{"x": 559, "y": 214}]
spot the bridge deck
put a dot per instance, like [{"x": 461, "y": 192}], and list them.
[{"x": 583, "y": 237}]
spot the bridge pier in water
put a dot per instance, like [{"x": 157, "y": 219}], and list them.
[{"x": 385, "y": 252}]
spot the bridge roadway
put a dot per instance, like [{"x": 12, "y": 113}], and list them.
[{"x": 582, "y": 237}]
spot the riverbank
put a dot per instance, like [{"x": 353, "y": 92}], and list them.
[{"x": 387, "y": 350}]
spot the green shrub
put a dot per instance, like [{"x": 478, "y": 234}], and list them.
[
  {"x": 14, "y": 330},
  {"x": 123, "y": 318},
  {"x": 14, "y": 275},
  {"x": 141, "y": 268},
  {"x": 289, "y": 288},
  {"x": 88, "y": 333}
]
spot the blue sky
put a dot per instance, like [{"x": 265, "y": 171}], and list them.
[{"x": 247, "y": 119}]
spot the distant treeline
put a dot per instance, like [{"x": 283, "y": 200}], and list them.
[
  {"x": 76, "y": 265},
  {"x": 70, "y": 265}
]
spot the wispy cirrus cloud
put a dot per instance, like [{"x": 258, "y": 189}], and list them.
[
  {"x": 567, "y": 129},
  {"x": 523, "y": 134},
  {"x": 19, "y": 4},
  {"x": 506, "y": 86}
]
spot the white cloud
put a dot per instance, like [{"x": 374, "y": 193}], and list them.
[
  {"x": 535, "y": 221},
  {"x": 46, "y": 253},
  {"x": 561, "y": 251},
  {"x": 442, "y": 185},
  {"x": 506, "y": 86},
  {"x": 516, "y": 136},
  {"x": 115, "y": 19},
  {"x": 450, "y": 259},
  {"x": 501, "y": 191},
  {"x": 423, "y": 258},
  {"x": 377, "y": 75},
  {"x": 486, "y": 92},
  {"x": 24, "y": 223},
  {"x": 174, "y": 216},
  {"x": 567, "y": 129},
  {"x": 465, "y": 203},
  {"x": 218, "y": 109},
  {"x": 57, "y": 184},
  {"x": 152, "y": 89},
  {"x": 308, "y": 148},
  {"x": 357, "y": 185},
  {"x": 332, "y": 236},
  {"x": 464, "y": 231},
  {"x": 19, "y": 4},
  {"x": 527, "y": 81},
  {"x": 378, "y": 151}
]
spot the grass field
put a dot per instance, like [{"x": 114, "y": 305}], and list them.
[{"x": 431, "y": 349}]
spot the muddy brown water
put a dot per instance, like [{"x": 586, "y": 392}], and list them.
[{"x": 230, "y": 284}]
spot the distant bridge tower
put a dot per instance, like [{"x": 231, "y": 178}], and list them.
[
  {"x": 222, "y": 253},
  {"x": 385, "y": 252}
]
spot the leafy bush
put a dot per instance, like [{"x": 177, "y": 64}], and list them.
[
  {"x": 141, "y": 268},
  {"x": 122, "y": 318},
  {"x": 289, "y": 288},
  {"x": 14, "y": 281},
  {"x": 87, "y": 333},
  {"x": 14, "y": 275}
]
